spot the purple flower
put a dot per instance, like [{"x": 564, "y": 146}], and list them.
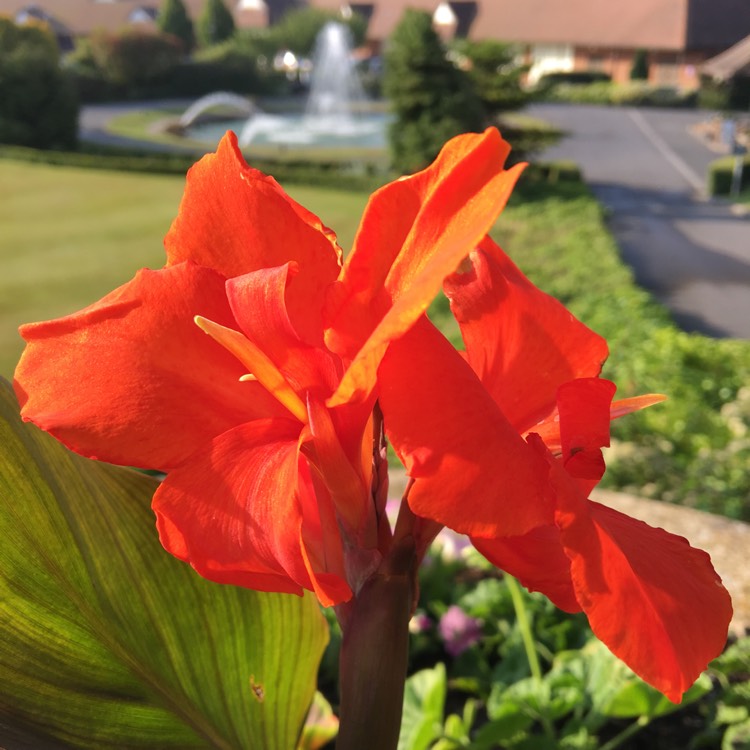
[{"x": 458, "y": 630}]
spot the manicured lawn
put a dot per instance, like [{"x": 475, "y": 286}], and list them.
[{"x": 70, "y": 235}]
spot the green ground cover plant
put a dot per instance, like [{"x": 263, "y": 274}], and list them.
[
  {"x": 493, "y": 666},
  {"x": 71, "y": 235}
]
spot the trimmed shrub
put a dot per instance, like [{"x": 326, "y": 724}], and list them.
[
  {"x": 720, "y": 175},
  {"x": 572, "y": 77},
  {"x": 633, "y": 93},
  {"x": 331, "y": 174},
  {"x": 38, "y": 104},
  {"x": 135, "y": 58}
]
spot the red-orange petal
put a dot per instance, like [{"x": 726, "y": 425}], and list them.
[
  {"x": 413, "y": 234},
  {"x": 473, "y": 471},
  {"x": 549, "y": 429},
  {"x": 234, "y": 512},
  {"x": 537, "y": 560},
  {"x": 346, "y": 482},
  {"x": 131, "y": 379},
  {"x": 654, "y": 600},
  {"x": 520, "y": 341},
  {"x": 235, "y": 219},
  {"x": 584, "y": 412},
  {"x": 259, "y": 303}
]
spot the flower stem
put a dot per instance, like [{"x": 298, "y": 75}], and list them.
[
  {"x": 374, "y": 653},
  {"x": 626, "y": 733},
  {"x": 524, "y": 626}
]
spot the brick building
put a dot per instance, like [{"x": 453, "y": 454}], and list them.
[{"x": 678, "y": 35}]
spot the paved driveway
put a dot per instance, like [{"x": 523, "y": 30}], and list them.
[{"x": 646, "y": 167}]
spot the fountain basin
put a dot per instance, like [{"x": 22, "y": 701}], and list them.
[{"x": 298, "y": 130}]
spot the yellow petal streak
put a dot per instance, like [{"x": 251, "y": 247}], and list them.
[{"x": 260, "y": 366}]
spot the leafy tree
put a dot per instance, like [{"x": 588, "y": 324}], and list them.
[
  {"x": 639, "y": 71},
  {"x": 215, "y": 24},
  {"x": 431, "y": 98},
  {"x": 135, "y": 58},
  {"x": 496, "y": 76},
  {"x": 298, "y": 29},
  {"x": 174, "y": 19},
  {"x": 39, "y": 106}
]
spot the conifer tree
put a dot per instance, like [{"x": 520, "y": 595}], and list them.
[
  {"x": 215, "y": 24},
  {"x": 639, "y": 69},
  {"x": 431, "y": 98},
  {"x": 174, "y": 19}
]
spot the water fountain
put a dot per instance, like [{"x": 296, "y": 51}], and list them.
[
  {"x": 217, "y": 99},
  {"x": 336, "y": 94},
  {"x": 334, "y": 114}
]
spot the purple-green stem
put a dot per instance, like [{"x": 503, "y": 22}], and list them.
[{"x": 374, "y": 652}]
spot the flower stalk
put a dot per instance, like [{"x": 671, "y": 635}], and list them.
[
  {"x": 374, "y": 653},
  {"x": 522, "y": 618}
]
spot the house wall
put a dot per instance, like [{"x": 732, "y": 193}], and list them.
[
  {"x": 666, "y": 67},
  {"x": 548, "y": 58}
]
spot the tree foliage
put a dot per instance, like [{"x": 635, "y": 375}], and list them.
[
  {"x": 431, "y": 98},
  {"x": 133, "y": 57},
  {"x": 493, "y": 70},
  {"x": 639, "y": 70},
  {"x": 38, "y": 106},
  {"x": 298, "y": 29},
  {"x": 174, "y": 19},
  {"x": 215, "y": 24}
]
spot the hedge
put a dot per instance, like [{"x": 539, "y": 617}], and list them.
[
  {"x": 333, "y": 174},
  {"x": 720, "y": 175},
  {"x": 631, "y": 94}
]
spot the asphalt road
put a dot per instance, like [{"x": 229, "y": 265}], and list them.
[{"x": 646, "y": 167}]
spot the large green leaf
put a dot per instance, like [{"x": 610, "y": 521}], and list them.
[{"x": 106, "y": 641}]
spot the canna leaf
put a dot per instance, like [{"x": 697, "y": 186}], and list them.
[{"x": 108, "y": 641}]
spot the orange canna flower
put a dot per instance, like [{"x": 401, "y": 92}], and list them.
[
  {"x": 265, "y": 425},
  {"x": 250, "y": 366},
  {"x": 655, "y": 601}
]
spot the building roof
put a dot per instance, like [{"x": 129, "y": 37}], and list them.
[
  {"x": 677, "y": 25},
  {"x": 655, "y": 24},
  {"x": 730, "y": 62},
  {"x": 81, "y": 17}
]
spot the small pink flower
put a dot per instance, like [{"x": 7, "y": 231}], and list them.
[{"x": 458, "y": 630}]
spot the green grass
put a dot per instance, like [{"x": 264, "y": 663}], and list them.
[{"x": 70, "y": 235}]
